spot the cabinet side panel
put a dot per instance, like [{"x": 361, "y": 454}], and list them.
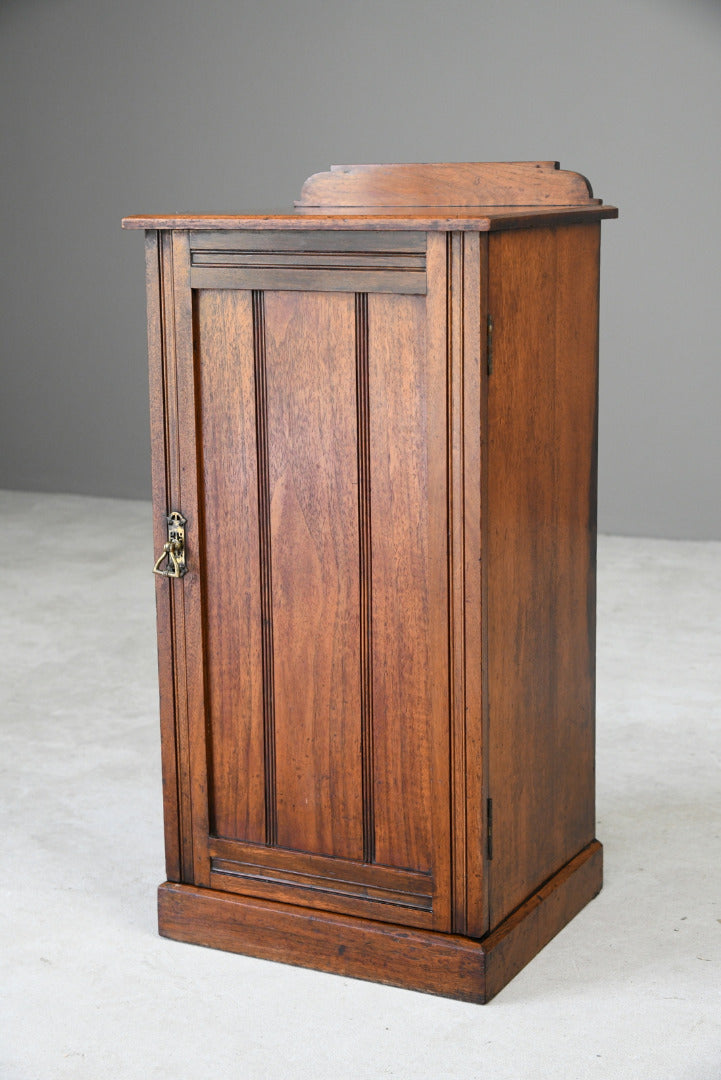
[
  {"x": 234, "y": 682},
  {"x": 313, "y": 475},
  {"x": 407, "y": 400},
  {"x": 542, "y": 394}
]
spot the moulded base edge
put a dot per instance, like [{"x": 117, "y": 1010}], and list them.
[{"x": 425, "y": 960}]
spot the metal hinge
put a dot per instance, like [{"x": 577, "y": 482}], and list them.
[
  {"x": 489, "y": 827},
  {"x": 489, "y": 344}
]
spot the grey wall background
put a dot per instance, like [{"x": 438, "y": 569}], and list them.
[{"x": 154, "y": 105}]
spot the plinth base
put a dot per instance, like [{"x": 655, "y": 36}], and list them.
[{"x": 435, "y": 963}]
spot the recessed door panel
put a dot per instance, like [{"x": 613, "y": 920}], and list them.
[
  {"x": 407, "y": 629},
  {"x": 321, "y": 442},
  {"x": 313, "y": 501},
  {"x": 230, "y": 564}
]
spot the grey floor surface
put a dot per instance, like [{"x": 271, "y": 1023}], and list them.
[{"x": 632, "y": 988}]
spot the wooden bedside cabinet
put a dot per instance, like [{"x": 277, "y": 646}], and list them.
[{"x": 374, "y": 475}]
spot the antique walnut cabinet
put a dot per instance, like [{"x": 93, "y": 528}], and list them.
[{"x": 374, "y": 473}]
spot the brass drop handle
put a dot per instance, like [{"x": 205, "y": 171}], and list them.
[
  {"x": 174, "y": 548},
  {"x": 171, "y": 550}
]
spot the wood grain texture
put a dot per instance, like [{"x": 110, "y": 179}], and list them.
[
  {"x": 455, "y": 433},
  {"x": 311, "y": 380},
  {"x": 542, "y": 915},
  {"x": 174, "y": 486},
  {"x": 363, "y": 278},
  {"x": 388, "y": 618},
  {"x": 317, "y": 881},
  {"x": 406, "y": 511},
  {"x": 434, "y": 409},
  {"x": 485, "y": 183},
  {"x": 541, "y": 554},
  {"x": 187, "y": 591},
  {"x": 467, "y": 288},
  {"x": 365, "y": 548},
  {"x": 325, "y": 261},
  {"x": 379, "y": 219},
  {"x": 479, "y": 919},
  {"x": 156, "y": 268},
  {"x": 331, "y": 867},
  {"x": 309, "y": 242},
  {"x": 265, "y": 568},
  {"x": 231, "y": 555},
  {"x": 311, "y": 260},
  {"x": 397, "y": 955},
  {"x": 446, "y": 964}
]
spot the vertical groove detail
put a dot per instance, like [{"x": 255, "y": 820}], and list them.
[
  {"x": 456, "y": 567},
  {"x": 449, "y": 510},
  {"x": 366, "y": 581},
  {"x": 266, "y": 584}
]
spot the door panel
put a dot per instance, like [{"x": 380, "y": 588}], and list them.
[
  {"x": 323, "y": 554},
  {"x": 312, "y": 466},
  {"x": 403, "y": 654},
  {"x": 230, "y": 564}
]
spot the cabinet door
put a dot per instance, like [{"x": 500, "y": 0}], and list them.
[{"x": 307, "y": 686}]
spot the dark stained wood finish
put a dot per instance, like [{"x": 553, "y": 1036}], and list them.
[
  {"x": 345, "y": 279},
  {"x": 306, "y": 262},
  {"x": 467, "y": 304},
  {"x": 380, "y": 219},
  {"x": 541, "y": 554},
  {"x": 484, "y": 183},
  {"x": 455, "y": 433},
  {"x": 265, "y": 568},
  {"x": 445, "y": 964},
  {"x": 365, "y": 582},
  {"x": 309, "y": 260},
  {"x": 158, "y": 276},
  {"x": 231, "y": 553},
  {"x": 175, "y": 483},
  {"x": 336, "y": 242},
  {"x": 389, "y": 613},
  {"x": 332, "y": 868},
  {"x": 397, "y": 955},
  {"x": 291, "y": 680},
  {"x": 310, "y": 358},
  {"x": 479, "y": 920},
  {"x": 532, "y": 925},
  {"x": 352, "y": 888},
  {"x": 403, "y": 610},
  {"x": 188, "y": 611}
]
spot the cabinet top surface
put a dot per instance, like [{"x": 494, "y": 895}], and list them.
[
  {"x": 429, "y": 219},
  {"x": 470, "y": 196}
]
